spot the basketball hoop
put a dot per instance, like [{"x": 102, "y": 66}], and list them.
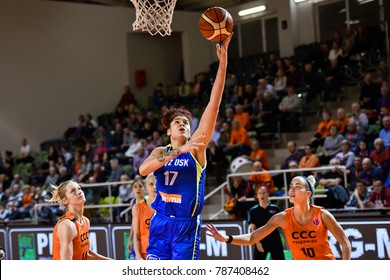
[{"x": 154, "y": 16}]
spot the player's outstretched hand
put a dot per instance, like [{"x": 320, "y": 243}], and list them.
[
  {"x": 222, "y": 49},
  {"x": 215, "y": 233},
  {"x": 195, "y": 143}
]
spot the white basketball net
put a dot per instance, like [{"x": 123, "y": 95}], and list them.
[{"x": 154, "y": 16}]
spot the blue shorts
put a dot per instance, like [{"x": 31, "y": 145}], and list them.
[{"x": 174, "y": 238}]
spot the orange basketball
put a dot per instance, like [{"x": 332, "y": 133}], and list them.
[{"x": 216, "y": 24}]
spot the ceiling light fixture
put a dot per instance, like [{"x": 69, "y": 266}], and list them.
[{"x": 253, "y": 10}]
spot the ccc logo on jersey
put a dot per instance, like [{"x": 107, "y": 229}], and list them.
[
  {"x": 84, "y": 237},
  {"x": 303, "y": 234}
]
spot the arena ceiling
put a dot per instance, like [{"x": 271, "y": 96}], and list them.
[{"x": 184, "y": 5}]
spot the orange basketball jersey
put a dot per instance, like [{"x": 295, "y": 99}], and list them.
[
  {"x": 80, "y": 242},
  {"x": 144, "y": 215},
  {"x": 309, "y": 242}
]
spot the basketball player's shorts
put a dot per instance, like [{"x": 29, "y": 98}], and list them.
[{"x": 172, "y": 238}]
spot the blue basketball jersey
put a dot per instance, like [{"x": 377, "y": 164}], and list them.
[{"x": 180, "y": 187}]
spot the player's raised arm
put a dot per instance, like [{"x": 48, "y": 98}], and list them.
[{"x": 208, "y": 119}]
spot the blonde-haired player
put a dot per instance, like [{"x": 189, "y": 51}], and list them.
[
  {"x": 306, "y": 226},
  {"x": 142, "y": 213},
  {"x": 71, "y": 233}
]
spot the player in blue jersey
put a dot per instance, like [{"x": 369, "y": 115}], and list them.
[{"x": 179, "y": 169}]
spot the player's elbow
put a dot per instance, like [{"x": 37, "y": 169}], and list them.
[{"x": 143, "y": 171}]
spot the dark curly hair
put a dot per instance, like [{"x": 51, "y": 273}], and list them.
[{"x": 173, "y": 113}]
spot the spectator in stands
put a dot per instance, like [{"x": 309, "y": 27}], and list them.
[
  {"x": 345, "y": 156},
  {"x": 310, "y": 82},
  {"x": 264, "y": 86},
  {"x": 380, "y": 196},
  {"x": 291, "y": 174},
  {"x": 98, "y": 173},
  {"x": 332, "y": 145},
  {"x": 100, "y": 133},
  {"x": 360, "y": 118},
  {"x": 353, "y": 173},
  {"x": 290, "y": 111},
  {"x": 45, "y": 213},
  {"x": 3, "y": 212},
  {"x": 125, "y": 194},
  {"x": 127, "y": 139},
  {"x": 229, "y": 115},
  {"x": 216, "y": 162},
  {"x": 270, "y": 109},
  {"x": 146, "y": 131},
  {"x": 158, "y": 96},
  {"x": 17, "y": 180},
  {"x": 342, "y": 120},
  {"x": 335, "y": 52},
  {"x": 64, "y": 175},
  {"x": 51, "y": 178},
  {"x": 334, "y": 80},
  {"x": 27, "y": 202},
  {"x": 85, "y": 167},
  {"x": 383, "y": 71},
  {"x": 369, "y": 172},
  {"x": 239, "y": 142},
  {"x": 91, "y": 123},
  {"x": 79, "y": 130},
  {"x": 116, "y": 172},
  {"x": 295, "y": 154},
  {"x": 116, "y": 139},
  {"x": 258, "y": 154},
  {"x": 353, "y": 136},
  {"x": 242, "y": 117},
  {"x": 4, "y": 182},
  {"x": 280, "y": 84},
  {"x": 240, "y": 190},
  {"x": 272, "y": 67},
  {"x": 359, "y": 198},
  {"x": 362, "y": 150},
  {"x": 333, "y": 181},
  {"x": 224, "y": 138},
  {"x": 249, "y": 95},
  {"x": 258, "y": 180},
  {"x": 323, "y": 129},
  {"x": 384, "y": 98},
  {"x": 217, "y": 131},
  {"x": 309, "y": 160},
  {"x": 155, "y": 141},
  {"x": 133, "y": 122},
  {"x": 260, "y": 70},
  {"x": 293, "y": 77},
  {"x": 369, "y": 93},
  {"x": 25, "y": 153},
  {"x": 101, "y": 148},
  {"x": 127, "y": 98},
  {"x": 14, "y": 213},
  {"x": 133, "y": 148},
  {"x": 380, "y": 157},
  {"x": 4, "y": 197},
  {"x": 139, "y": 158},
  {"x": 384, "y": 134},
  {"x": 120, "y": 116}
]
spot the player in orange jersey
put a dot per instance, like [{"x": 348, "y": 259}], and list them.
[
  {"x": 142, "y": 213},
  {"x": 306, "y": 226},
  {"x": 71, "y": 233}
]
